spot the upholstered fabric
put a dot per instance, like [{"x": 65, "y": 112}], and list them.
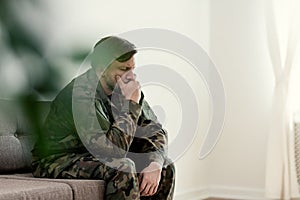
[
  {"x": 17, "y": 124},
  {"x": 81, "y": 189},
  {"x": 15, "y": 189}
]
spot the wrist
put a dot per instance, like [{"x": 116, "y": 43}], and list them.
[{"x": 155, "y": 165}]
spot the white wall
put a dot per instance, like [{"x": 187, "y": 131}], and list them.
[{"x": 238, "y": 47}]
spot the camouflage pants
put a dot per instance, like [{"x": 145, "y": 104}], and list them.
[{"x": 119, "y": 175}]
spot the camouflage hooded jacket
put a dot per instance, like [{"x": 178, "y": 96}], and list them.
[{"x": 83, "y": 119}]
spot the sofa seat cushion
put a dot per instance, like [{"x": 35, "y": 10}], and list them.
[
  {"x": 81, "y": 188},
  {"x": 14, "y": 189}
]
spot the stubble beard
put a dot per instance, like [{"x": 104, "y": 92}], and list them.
[{"x": 106, "y": 83}]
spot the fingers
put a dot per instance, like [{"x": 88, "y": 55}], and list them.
[
  {"x": 143, "y": 187},
  {"x": 120, "y": 82},
  {"x": 130, "y": 89},
  {"x": 140, "y": 178},
  {"x": 148, "y": 185},
  {"x": 155, "y": 189},
  {"x": 152, "y": 190},
  {"x": 146, "y": 191},
  {"x": 149, "y": 190},
  {"x": 143, "y": 184}
]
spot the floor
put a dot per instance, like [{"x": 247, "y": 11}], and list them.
[{"x": 216, "y": 199}]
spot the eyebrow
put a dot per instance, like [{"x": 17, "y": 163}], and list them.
[{"x": 124, "y": 66}]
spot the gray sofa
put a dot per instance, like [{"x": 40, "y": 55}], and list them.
[{"x": 18, "y": 122}]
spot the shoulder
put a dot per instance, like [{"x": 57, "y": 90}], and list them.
[{"x": 80, "y": 84}]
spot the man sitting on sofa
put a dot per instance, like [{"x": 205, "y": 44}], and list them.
[{"x": 100, "y": 127}]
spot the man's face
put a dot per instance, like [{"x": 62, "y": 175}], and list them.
[{"x": 115, "y": 69}]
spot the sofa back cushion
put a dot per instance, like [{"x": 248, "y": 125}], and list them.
[{"x": 18, "y": 123}]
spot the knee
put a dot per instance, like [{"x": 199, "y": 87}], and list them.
[
  {"x": 169, "y": 166},
  {"x": 171, "y": 169},
  {"x": 168, "y": 173}
]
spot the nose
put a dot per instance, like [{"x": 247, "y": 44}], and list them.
[{"x": 130, "y": 75}]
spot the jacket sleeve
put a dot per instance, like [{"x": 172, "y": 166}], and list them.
[
  {"x": 101, "y": 137},
  {"x": 151, "y": 139}
]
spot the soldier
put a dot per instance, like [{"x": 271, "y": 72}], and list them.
[{"x": 101, "y": 127}]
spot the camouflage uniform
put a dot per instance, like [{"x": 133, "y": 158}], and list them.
[{"x": 89, "y": 135}]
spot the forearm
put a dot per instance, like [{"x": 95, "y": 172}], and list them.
[
  {"x": 160, "y": 143},
  {"x": 122, "y": 130},
  {"x": 115, "y": 139},
  {"x": 149, "y": 149}
]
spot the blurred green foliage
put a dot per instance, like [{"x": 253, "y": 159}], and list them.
[
  {"x": 17, "y": 39},
  {"x": 18, "y": 42}
]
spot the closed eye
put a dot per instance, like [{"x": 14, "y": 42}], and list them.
[{"x": 125, "y": 68}]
